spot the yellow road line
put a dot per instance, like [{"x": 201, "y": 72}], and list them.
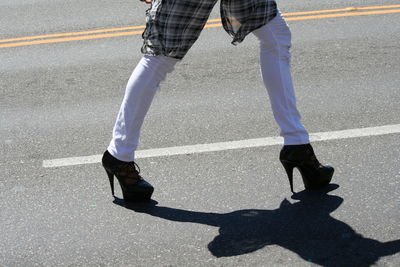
[
  {"x": 209, "y": 21},
  {"x": 70, "y": 39},
  {"x": 340, "y": 10},
  {"x": 72, "y": 34},
  {"x": 350, "y": 14},
  {"x": 289, "y": 14},
  {"x": 213, "y": 25}
]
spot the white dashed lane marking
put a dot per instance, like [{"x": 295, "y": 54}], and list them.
[{"x": 221, "y": 146}]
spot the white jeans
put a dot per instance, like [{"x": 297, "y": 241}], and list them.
[{"x": 275, "y": 42}]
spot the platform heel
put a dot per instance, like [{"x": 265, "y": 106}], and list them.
[
  {"x": 111, "y": 179},
  {"x": 134, "y": 188},
  {"x": 314, "y": 174},
  {"x": 289, "y": 171}
]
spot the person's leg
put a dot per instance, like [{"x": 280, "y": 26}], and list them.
[
  {"x": 167, "y": 38},
  {"x": 275, "y": 42},
  {"x": 140, "y": 90},
  {"x": 178, "y": 35},
  {"x": 171, "y": 31}
]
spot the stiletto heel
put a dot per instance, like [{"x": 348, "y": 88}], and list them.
[
  {"x": 289, "y": 171},
  {"x": 314, "y": 174},
  {"x": 111, "y": 179},
  {"x": 134, "y": 188}
]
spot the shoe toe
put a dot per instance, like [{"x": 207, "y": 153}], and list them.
[{"x": 143, "y": 185}]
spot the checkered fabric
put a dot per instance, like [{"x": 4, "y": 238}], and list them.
[{"x": 174, "y": 25}]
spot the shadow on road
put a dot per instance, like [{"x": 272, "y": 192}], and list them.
[{"x": 305, "y": 227}]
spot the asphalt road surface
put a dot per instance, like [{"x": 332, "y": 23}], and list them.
[{"x": 60, "y": 94}]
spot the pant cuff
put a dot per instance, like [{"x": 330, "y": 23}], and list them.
[
  {"x": 296, "y": 139},
  {"x": 127, "y": 156}
]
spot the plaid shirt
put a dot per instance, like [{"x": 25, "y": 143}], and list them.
[{"x": 174, "y": 25}]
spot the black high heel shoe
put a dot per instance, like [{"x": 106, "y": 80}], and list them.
[
  {"x": 134, "y": 188},
  {"x": 314, "y": 174}
]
